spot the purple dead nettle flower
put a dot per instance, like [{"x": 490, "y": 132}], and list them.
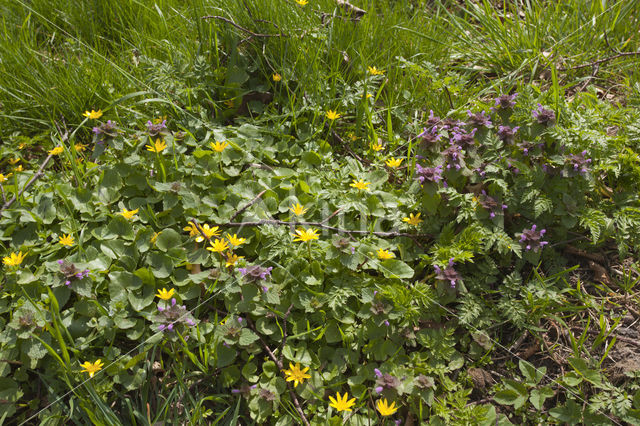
[
  {"x": 447, "y": 274},
  {"x": 505, "y": 101},
  {"x": 170, "y": 316},
  {"x": 386, "y": 381},
  {"x": 544, "y": 116},
  {"x": 429, "y": 135},
  {"x": 452, "y": 156},
  {"x": 506, "y": 133},
  {"x": 245, "y": 389},
  {"x": 108, "y": 129},
  {"x": 462, "y": 138},
  {"x": 255, "y": 273},
  {"x": 156, "y": 129},
  {"x": 452, "y": 123},
  {"x": 490, "y": 203},
  {"x": 479, "y": 119},
  {"x": 432, "y": 174},
  {"x": 433, "y": 120},
  {"x": 532, "y": 238},
  {"x": 579, "y": 162}
]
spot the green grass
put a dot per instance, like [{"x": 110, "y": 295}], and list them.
[{"x": 138, "y": 60}]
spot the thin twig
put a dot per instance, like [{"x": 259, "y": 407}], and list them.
[
  {"x": 252, "y": 202},
  {"x": 33, "y": 179},
  {"x": 332, "y": 215},
  {"x": 600, "y": 61},
  {"x": 331, "y": 228},
  {"x": 280, "y": 367},
  {"x": 284, "y": 332},
  {"x": 4, "y": 198},
  {"x": 346, "y": 146}
]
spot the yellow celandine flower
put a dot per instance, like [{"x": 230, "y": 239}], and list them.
[
  {"x": 368, "y": 95},
  {"x": 218, "y": 146},
  {"x": 14, "y": 161},
  {"x": 66, "y": 240},
  {"x": 158, "y": 146},
  {"x": 218, "y": 246},
  {"x": 232, "y": 259},
  {"x": 80, "y": 147},
  {"x": 18, "y": 169},
  {"x": 93, "y": 114},
  {"x": 385, "y": 254},
  {"x": 305, "y": 235},
  {"x": 412, "y": 220},
  {"x": 352, "y": 136},
  {"x": 385, "y": 409},
  {"x": 276, "y": 77},
  {"x": 234, "y": 240},
  {"x": 14, "y": 259},
  {"x": 3, "y": 178},
  {"x": 375, "y": 71},
  {"x": 22, "y": 145},
  {"x": 295, "y": 374},
  {"x": 394, "y": 162},
  {"x": 377, "y": 147},
  {"x": 92, "y": 368},
  {"x": 128, "y": 214},
  {"x": 298, "y": 209},
  {"x": 332, "y": 115},
  {"x": 360, "y": 184},
  {"x": 341, "y": 403},
  {"x": 154, "y": 237},
  {"x": 165, "y": 294},
  {"x": 193, "y": 229},
  {"x": 56, "y": 151},
  {"x": 302, "y": 2},
  {"x": 209, "y": 231}
]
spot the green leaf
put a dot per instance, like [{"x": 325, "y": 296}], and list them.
[
  {"x": 247, "y": 337},
  {"x": 538, "y": 396},
  {"x": 394, "y": 268},
  {"x": 531, "y": 373},
  {"x": 167, "y": 239}
]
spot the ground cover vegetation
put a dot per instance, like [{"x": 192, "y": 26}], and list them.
[{"x": 319, "y": 212}]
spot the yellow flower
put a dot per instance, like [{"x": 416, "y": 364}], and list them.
[
  {"x": 66, "y": 240},
  {"x": 375, "y": 71},
  {"x": 93, "y": 114},
  {"x": 229, "y": 103},
  {"x": 218, "y": 146},
  {"x": 361, "y": 185},
  {"x": 377, "y": 147},
  {"x": 154, "y": 237},
  {"x": 232, "y": 259},
  {"x": 385, "y": 409},
  {"x": 302, "y": 2},
  {"x": 57, "y": 150},
  {"x": 92, "y": 368},
  {"x": 332, "y": 115},
  {"x": 305, "y": 235},
  {"x": 158, "y": 146},
  {"x": 80, "y": 147},
  {"x": 369, "y": 95},
  {"x": 235, "y": 240},
  {"x": 276, "y": 77},
  {"x": 298, "y": 209},
  {"x": 128, "y": 214},
  {"x": 3, "y": 178},
  {"x": 192, "y": 228},
  {"x": 394, "y": 162},
  {"x": 13, "y": 161},
  {"x": 295, "y": 374},
  {"x": 352, "y": 136},
  {"x": 18, "y": 168},
  {"x": 341, "y": 403},
  {"x": 209, "y": 231},
  {"x": 14, "y": 259},
  {"x": 412, "y": 220},
  {"x": 165, "y": 294},
  {"x": 385, "y": 254},
  {"x": 218, "y": 246}
]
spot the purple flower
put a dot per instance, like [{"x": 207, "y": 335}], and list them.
[
  {"x": 433, "y": 120},
  {"x": 386, "y": 323},
  {"x": 579, "y": 162},
  {"x": 67, "y": 283},
  {"x": 452, "y": 123},
  {"x": 190, "y": 322},
  {"x": 173, "y": 301},
  {"x": 453, "y": 155},
  {"x": 240, "y": 319},
  {"x": 462, "y": 138},
  {"x": 506, "y": 101},
  {"x": 377, "y": 372},
  {"x": 432, "y": 174},
  {"x": 544, "y": 116},
  {"x": 170, "y": 327},
  {"x": 161, "y": 327},
  {"x": 160, "y": 308},
  {"x": 108, "y": 129},
  {"x": 447, "y": 274},
  {"x": 429, "y": 135},
  {"x": 479, "y": 119},
  {"x": 156, "y": 129},
  {"x": 532, "y": 238},
  {"x": 378, "y": 389},
  {"x": 506, "y": 133},
  {"x": 254, "y": 273},
  {"x": 353, "y": 250},
  {"x": 60, "y": 262}
]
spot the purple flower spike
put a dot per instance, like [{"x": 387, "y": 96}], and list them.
[
  {"x": 265, "y": 289},
  {"x": 506, "y": 101},
  {"x": 533, "y": 238},
  {"x": 386, "y": 323},
  {"x": 60, "y": 262},
  {"x": 479, "y": 119},
  {"x": 190, "y": 322},
  {"x": 67, "y": 283},
  {"x": 506, "y": 133},
  {"x": 378, "y": 372},
  {"x": 243, "y": 271},
  {"x": 544, "y": 116},
  {"x": 448, "y": 273},
  {"x": 378, "y": 389},
  {"x": 160, "y": 308},
  {"x": 173, "y": 301},
  {"x": 170, "y": 327},
  {"x": 161, "y": 327}
]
